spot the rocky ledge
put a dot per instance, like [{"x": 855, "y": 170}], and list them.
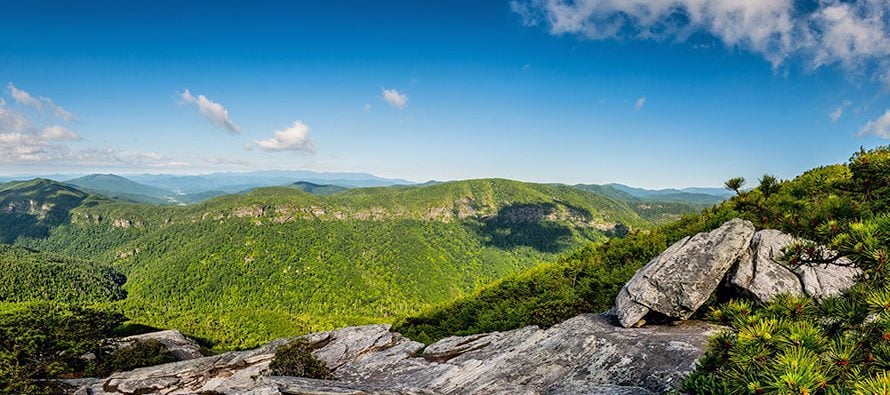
[{"x": 587, "y": 354}]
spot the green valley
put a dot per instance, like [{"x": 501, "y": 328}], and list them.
[{"x": 242, "y": 269}]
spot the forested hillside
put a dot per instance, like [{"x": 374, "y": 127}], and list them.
[
  {"x": 31, "y": 208},
  {"x": 242, "y": 269},
  {"x": 27, "y": 275}
]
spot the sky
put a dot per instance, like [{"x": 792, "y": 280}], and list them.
[{"x": 650, "y": 93}]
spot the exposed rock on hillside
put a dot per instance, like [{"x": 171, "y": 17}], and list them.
[
  {"x": 180, "y": 346},
  {"x": 681, "y": 279},
  {"x": 587, "y": 354},
  {"x": 761, "y": 273}
]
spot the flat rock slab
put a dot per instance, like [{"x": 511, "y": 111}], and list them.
[{"x": 587, "y": 354}]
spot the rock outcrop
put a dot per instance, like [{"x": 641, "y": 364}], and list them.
[
  {"x": 180, "y": 346},
  {"x": 683, "y": 277},
  {"x": 761, "y": 274},
  {"x": 587, "y": 354}
]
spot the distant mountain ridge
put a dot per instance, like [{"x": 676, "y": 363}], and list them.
[
  {"x": 239, "y": 182},
  {"x": 642, "y": 192},
  {"x": 118, "y": 187}
]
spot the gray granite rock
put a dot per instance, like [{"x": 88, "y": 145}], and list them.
[
  {"x": 681, "y": 279},
  {"x": 824, "y": 280},
  {"x": 759, "y": 272},
  {"x": 587, "y": 354},
  {"x": 762, "y": 274}
]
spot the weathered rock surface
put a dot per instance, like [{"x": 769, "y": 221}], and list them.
[
  {"x": 587, "y": 354},
  {"x": 825, "y": 280},
  {"x": 761, "y": 274},
  {"x": 681, "y": 279},
  {"x": 180, "y": 346},
  {"x": 759, "y": 271}
]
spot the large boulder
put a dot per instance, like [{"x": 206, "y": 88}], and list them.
[
  {"x": 761, "y": 273},
  {"x": 680, "y": 280},
  {"x": 824, "y": 280},
  {"x": 587, "y": 354}
]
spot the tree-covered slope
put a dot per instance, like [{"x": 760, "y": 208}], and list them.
[
  {"x": 27, "y": 275},
  {"x": 32, "y": 208},
  {"x": 243, "y": 269},
  {"x": 319, "y": 189}
]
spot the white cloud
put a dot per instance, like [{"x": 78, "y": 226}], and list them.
[
  {"x": 213, "y": 111},
  {"x": 22, "y": 141},
  {"x": 638, "y": 105},
  {"x": 2, "y": 102},
  {"x": 838, "y": 111},
  {"x": 395, "y": 99},
  {"x": 879, "y": 127},
  {"x": 852, "y": 34},
  {"x": 24, "y": 98},
  {"x": 293, "y": 138},
  {"x": 226, "y": 161},
  {"x": 59, "y": 133},
  {"x": 367, "y": 107}
]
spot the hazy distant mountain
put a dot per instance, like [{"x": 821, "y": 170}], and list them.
[
  {"x": 238, "y": 182},
  {"x": 655, "y": 206},
  {"x": 122, "y": 188},
  {"x": 707, "y": 196}
]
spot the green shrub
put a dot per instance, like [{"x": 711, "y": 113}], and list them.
[
  {"x": 46, "y": 339},
  {"x": 296, "y": 359},
  {"x": 139, "y": 354}
]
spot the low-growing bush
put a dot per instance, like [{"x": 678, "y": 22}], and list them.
[
  {"x": 296, "y": 359},
  {"x": 142, "y": 353}
]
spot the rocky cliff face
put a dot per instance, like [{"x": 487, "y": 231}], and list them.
[{"x": 587, "y": 354}]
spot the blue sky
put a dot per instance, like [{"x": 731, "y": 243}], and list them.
[{"x": 591, "y": 91}]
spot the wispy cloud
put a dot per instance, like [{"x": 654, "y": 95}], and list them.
[
  {"x": 41, "y": 104},
  {"x": 638, "y": 105},
  {"x": 227, "y": 161},
  {"x": 211, "y": 110},
  {"x": 21, "y": 140},
  {"x": 25, "y": 141},
  {"x": 294, "y": 138},
  {"x": 838, "y": 111},
  {"x": 395, "y": 98},
  {"x": 855, "y": 35},
  {"x": 879, "y": 127}
]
